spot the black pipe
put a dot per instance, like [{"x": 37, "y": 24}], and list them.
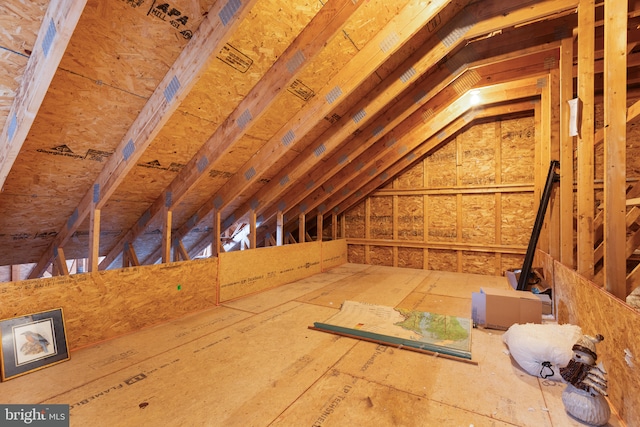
[{"x": 552, "y": 177}]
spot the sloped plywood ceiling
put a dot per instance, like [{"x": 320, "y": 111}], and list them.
[{"x": 143, "y": 115}]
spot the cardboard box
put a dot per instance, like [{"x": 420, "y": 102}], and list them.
[
  {"x": 547, "y": 307},
  {"x": 501, "y": 308}
]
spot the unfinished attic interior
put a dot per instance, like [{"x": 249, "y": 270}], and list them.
[{"x": 218, "y": 172}]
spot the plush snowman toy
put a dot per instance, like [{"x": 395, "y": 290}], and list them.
[{"x": 586, "y": 384}]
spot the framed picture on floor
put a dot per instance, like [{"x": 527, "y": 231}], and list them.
[{"x": 32, "y": 342}]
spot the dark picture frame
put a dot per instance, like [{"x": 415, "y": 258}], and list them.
[{"x": 32, "y": 342}]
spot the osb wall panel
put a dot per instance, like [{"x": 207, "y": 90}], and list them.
[
  {"x": 456, "y": 203},
  {"x": 517, "y": 145},
  {"x": 518, "y": 216},
  {"x": 107, "y": 46},
  {"x": 381, "y": 255},
  {"x": 381, "y": 218},
  {"x": 442, "y": 223},
  {"x": 411, "y": 258},
  {"x": 479, "y": 263},
  {"x": 478, "y": 152},
  {"x": 478, "y": 218},
  {"x": 633, "y": 149},
  {"x": 582, "y": 303},
  {"x": 545, "y": 262},
  {"x": 102, "y": 305},
  {"x": 412, "y": 178},
  {"x": 443, "y": 260},
  {"x": 441, "y": 166},
  {"x": 48, "y": 159},
  {"x": 269, "y": 267},
  {"x": 367, "y": 21},
  {"x": 510, "y": 262},
  {"x": 334, "y": 253},
  {"x": 355, "y": 254},
  {"x": 411, "y": 218},
  {"x": 354, "y": 221}
]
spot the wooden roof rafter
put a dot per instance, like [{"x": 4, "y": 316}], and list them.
[{"x": 58, "y": 24}]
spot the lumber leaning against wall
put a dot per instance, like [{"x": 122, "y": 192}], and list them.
[
  {"x": 102, "y": 305},
  {"x": 581, "y": 302}
]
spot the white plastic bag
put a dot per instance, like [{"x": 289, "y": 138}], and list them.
[{"x": 541, "y": 350}]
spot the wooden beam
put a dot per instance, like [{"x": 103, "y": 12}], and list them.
[
  {"x": 469, "y": 189},
  {"x": 585, "y": 172},
  {"x": 301, "y": 228},
  {"x": 290, "y": 239},
  {"x": 334, "y": 226},
  {"x": 58, "y": 25},
  {"x": 252, "y": 229},
  {"x": 367, "y": 230},
  {"x": 216, "y": 233},
  {"x": 497, "y": 149},
  {"x": 554, "y": 154},
  {"x": 632, "y": 112},
  {"x": 615, "y": 125},
  {"x": 129, "y": 256},
  {"x": 567, "y": 143},
  {"x": 319, "y": 226},
  {"x": 279, "y": 228},
  {"x": 60, "y": 263},
  {"x": 450, "y": 246},
  {"x": 179, "y": 251},
  {"x": 631, "y": 218},
  {"x": 166, "y": 235},
  {"x": 544, "y": 151},
  {"x": 94, "y": 239},
  {"x": 15, "y": 273}
]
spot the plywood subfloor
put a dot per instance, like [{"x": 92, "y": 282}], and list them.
[{"x": 254, "y": 362}]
